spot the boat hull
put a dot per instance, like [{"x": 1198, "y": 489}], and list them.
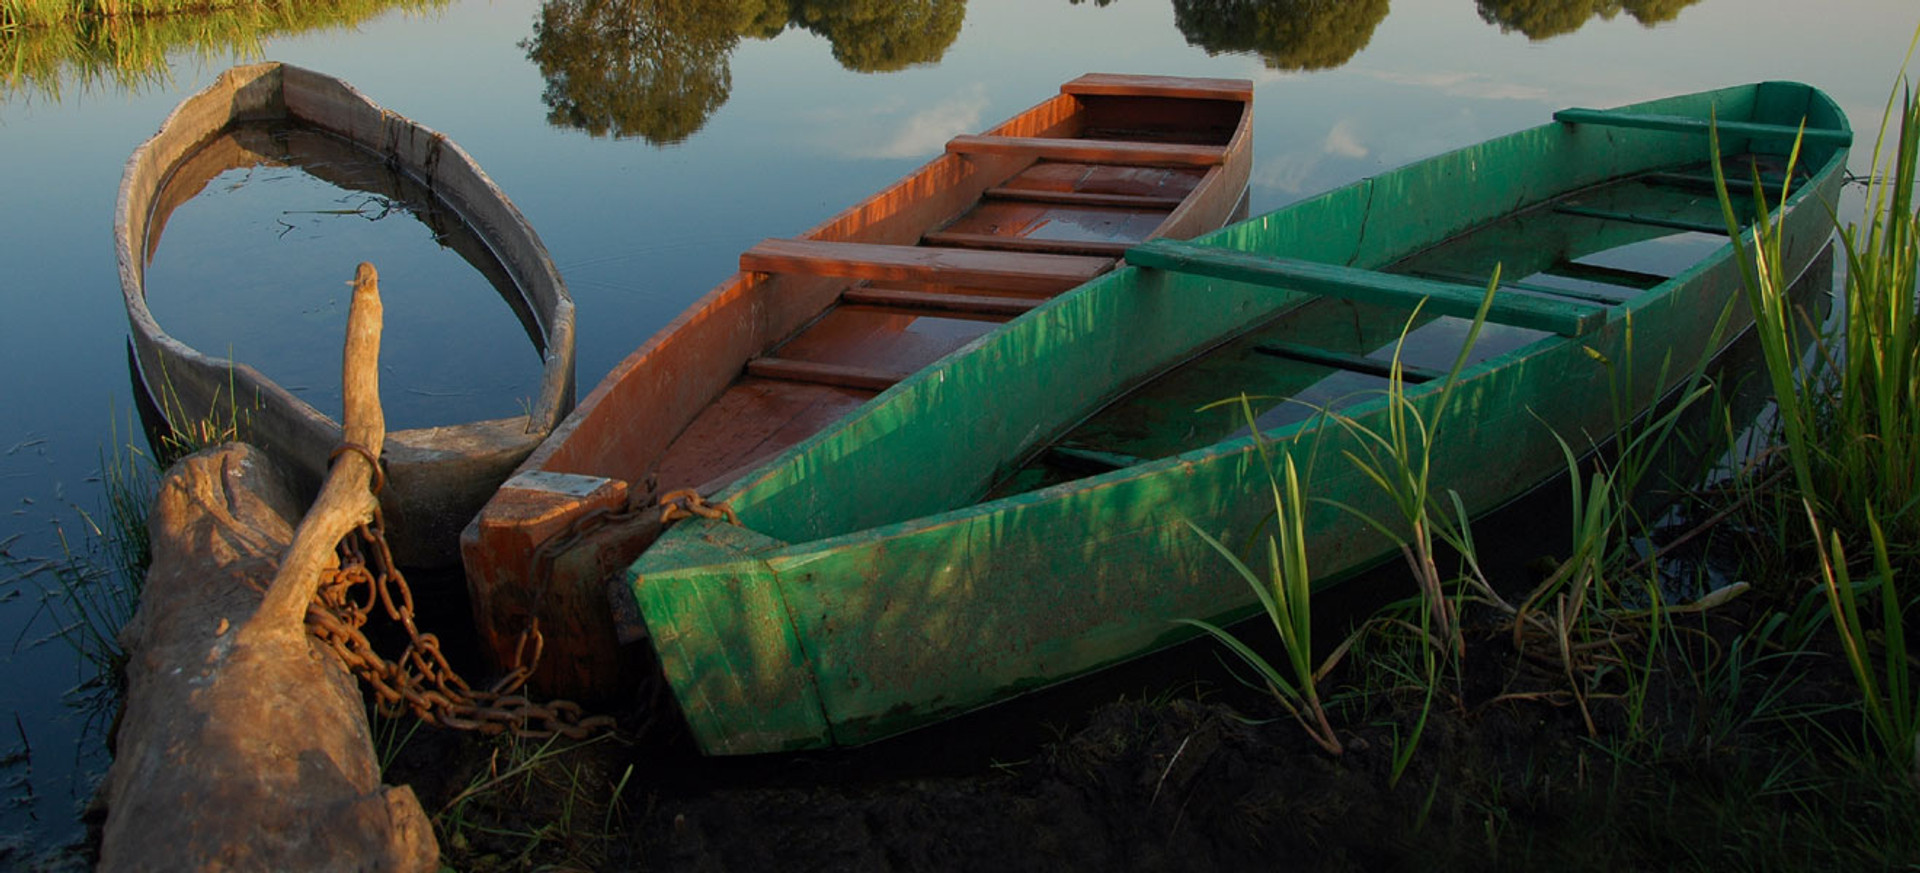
[
  {"x": 839, "y": 611},
  {"x": 436, "y": 478},
  {"x": 814, "y": 326}
]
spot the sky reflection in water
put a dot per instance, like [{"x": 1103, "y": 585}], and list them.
[{"x": 650, "y": 157}]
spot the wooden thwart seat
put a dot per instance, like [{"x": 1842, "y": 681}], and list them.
[
  {"x": 1689, "y": 124},
  {"x": 1098, "y": 248},
  {"x": 1587, "y": 294},
  {"x": 1409, "y": 373},
  {"x": 934, "y": 301},
  {"x": 1092, "y": 151},
  {"x": 840, "y": 375},
  {"x": 1641, "y": 218},
  {"x": 1606, "y": 275},
  {"x": 1568, "y": 318},
  {"x": 1121, "y": 85},
  {"x": 1703, "y": 182},
  {"x": 1010, "y": 271},
  {"x": 1085, "y": 198}
]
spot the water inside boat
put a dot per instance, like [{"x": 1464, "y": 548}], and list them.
[
  {"x": 283, "y": 213},
  {"x": 1605, "y": 244}
]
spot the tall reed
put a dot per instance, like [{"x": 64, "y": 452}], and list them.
[
  {"x": 1850, "y": 422},
  {"x": 1285, "y": 593}
]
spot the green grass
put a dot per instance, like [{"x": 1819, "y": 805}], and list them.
[
  {"x": 1849, "y": 428},
  {"x": 1679, "y": 727},
  {"x": 1286, "y": 595},
  {"x": 90, "y": 590},
  {"x": 536, "y": 804},
  {"x": 48, "y": 45}
]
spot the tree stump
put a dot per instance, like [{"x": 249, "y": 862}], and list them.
[{"x": 244, "y": 744}]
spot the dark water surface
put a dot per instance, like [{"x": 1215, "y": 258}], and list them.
[{"x": 648, "y": 163}]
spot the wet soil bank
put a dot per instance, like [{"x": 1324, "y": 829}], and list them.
[{"x": 1733, "y": 756}]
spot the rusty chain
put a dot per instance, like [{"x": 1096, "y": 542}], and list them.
[
  {"x": 687, "y": 503},
  {"x": 672, "y": 506},
  {"x": 420, "y": 679}
]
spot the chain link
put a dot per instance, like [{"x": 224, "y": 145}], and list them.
[
  {"x": 420, "y": 679},
  {"x": 687, "y": 503}
]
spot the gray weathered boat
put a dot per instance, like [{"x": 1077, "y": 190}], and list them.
[{"x": 436, "y": 477}]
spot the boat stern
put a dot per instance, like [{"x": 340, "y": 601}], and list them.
[{"x": 714, "y": 611}]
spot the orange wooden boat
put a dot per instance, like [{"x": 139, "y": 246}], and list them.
[{"x": 814, "y": 326}]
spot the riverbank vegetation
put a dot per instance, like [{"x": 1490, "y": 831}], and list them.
[
  {"x": 50, "y": 45},
  {"x": 1707, "y": 667}
]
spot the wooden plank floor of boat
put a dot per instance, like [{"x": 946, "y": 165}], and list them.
[{"x": 912, "y": 306}]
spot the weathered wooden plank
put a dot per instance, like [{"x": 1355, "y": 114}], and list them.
[
  {"x": 1529, "y": 287},
  {"x": 1122, "y": 85},
  {"x": 1145, "y": 154},
  {"x": 1412, "y": 375},
  {"x": 1366, "y": 286},
  {"x": 972, "y": 304},
  {"x": 840, "y": 375},
  {"x": 1011, "y": 271},
  {"x": 1097, "y": 248},
  {"x": 1641, "y": 218},
  {"x": 1703, "y": 182},
  {"x": 1687, "y": 124},
  {"x": 1084, "y": 198}
]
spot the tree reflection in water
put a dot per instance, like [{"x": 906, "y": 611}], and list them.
[
  {"x": 880, "y": 36},
  {"x": 1287, "y": 34},
  {"x": 658, "y": 69},
  {"x": 1541, "y": 19}
]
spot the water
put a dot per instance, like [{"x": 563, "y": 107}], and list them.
[
  {"x": 274, "y": 214},
  {"x": 646, "y": 195}
]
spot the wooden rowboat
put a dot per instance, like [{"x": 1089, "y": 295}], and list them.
[
  {"x": 436, "y": 478},
  {"x": 812, "y": 327},
  {"x": 973, "y": 533}
]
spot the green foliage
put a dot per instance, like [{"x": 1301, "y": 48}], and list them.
[
  {"x": 879, "y": 36},
  {"x": 91, "y": 589},
  {"x": 1544, "y": 19},
  {"x": 1850, "y": 425},
  {"x": 1887, "y": 689},
  {"x": 1287, "y": 34},
  {"x": 536, "y": 804},
  {"x": 43, "y": 43},
  {"x": 1286, "y": 595},
  {"x": 658, "y": 69}
]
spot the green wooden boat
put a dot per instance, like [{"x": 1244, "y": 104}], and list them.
[{"x": 1017, "y": 513}]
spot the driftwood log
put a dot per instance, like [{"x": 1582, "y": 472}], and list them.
[{"x": 244, "y": 745}]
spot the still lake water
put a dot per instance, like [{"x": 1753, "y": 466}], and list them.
[{"x": 645, "y": 198}]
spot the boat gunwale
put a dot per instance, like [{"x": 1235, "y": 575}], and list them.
[
  {"x": 606, "y": 458},
  {"x": 432, "y": 468},
  {"x": 797, "y": 554},
  {"x": 559, "y": 454}
]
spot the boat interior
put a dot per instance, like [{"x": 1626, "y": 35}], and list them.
[
  {"x": 1598, "y": 247},
  {"x": 1112, "y": 176}
]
